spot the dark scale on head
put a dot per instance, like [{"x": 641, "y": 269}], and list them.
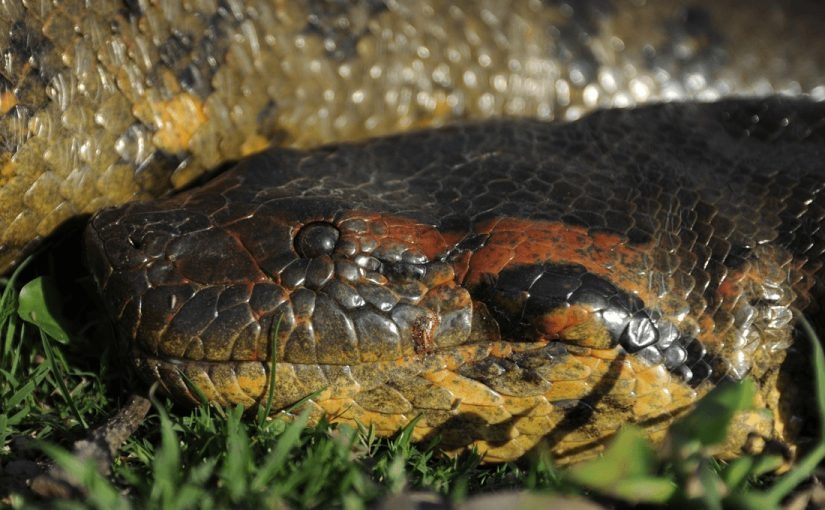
[
  {"x": 402, "y": 269},
  {"x": 540, "y": 289}
]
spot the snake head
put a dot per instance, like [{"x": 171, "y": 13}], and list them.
[
  {"x": 221, "y": 286},
  {"x": 512, "y": 287}
]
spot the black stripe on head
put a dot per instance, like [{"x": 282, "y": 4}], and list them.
[{"x": 522, "y": 297}]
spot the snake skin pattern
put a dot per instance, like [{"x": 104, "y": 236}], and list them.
[
  {"x": 509, "y": 282},
  {"x": 105, "y": 101},
  {"x": 612, "y": 271}
]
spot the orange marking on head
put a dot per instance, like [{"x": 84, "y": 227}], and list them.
[
  {"x": 489, "y": 259},
  {"x": 576, "y": 324},
  {"x": 519, "y": 241},
  {"x": 559, "y": 319}
]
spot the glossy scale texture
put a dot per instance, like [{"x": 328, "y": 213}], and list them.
[{"x": 515, "y": 283}]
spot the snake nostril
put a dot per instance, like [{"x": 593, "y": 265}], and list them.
[{"x": 316, "y": 239}]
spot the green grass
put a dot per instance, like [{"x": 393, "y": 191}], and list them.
[{"x": 60, "y": 373}]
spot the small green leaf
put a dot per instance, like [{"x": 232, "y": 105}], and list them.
[
  {"x": 708, "y": 423},
  {"x": 765, "y": 464},
  {"x": 737, "y": 472},
  {"x": 628, "y": 456},
  {"x": 710, "y": 486},
  {"x": 754, "y": 500},
  {"x": 36, "y": 306},
  {"x": 21, "y": 394},
  {"x": 626, "y": 470},
  {"x": 645, "y": 489}
]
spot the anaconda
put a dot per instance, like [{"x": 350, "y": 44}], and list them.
[
  {"x": 505, "y": 284},
  {"x": 122, "y": 101}
]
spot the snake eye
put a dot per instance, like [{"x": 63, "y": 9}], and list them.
[{"x": 316, "y": 239}]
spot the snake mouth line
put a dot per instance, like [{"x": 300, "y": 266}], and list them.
[{"x": 574, "y": 422}]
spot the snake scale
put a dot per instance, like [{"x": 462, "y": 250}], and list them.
[{"x": 509, "y": 283}]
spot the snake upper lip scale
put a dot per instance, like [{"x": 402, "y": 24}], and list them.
[{"x": 506, "y": 282}]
